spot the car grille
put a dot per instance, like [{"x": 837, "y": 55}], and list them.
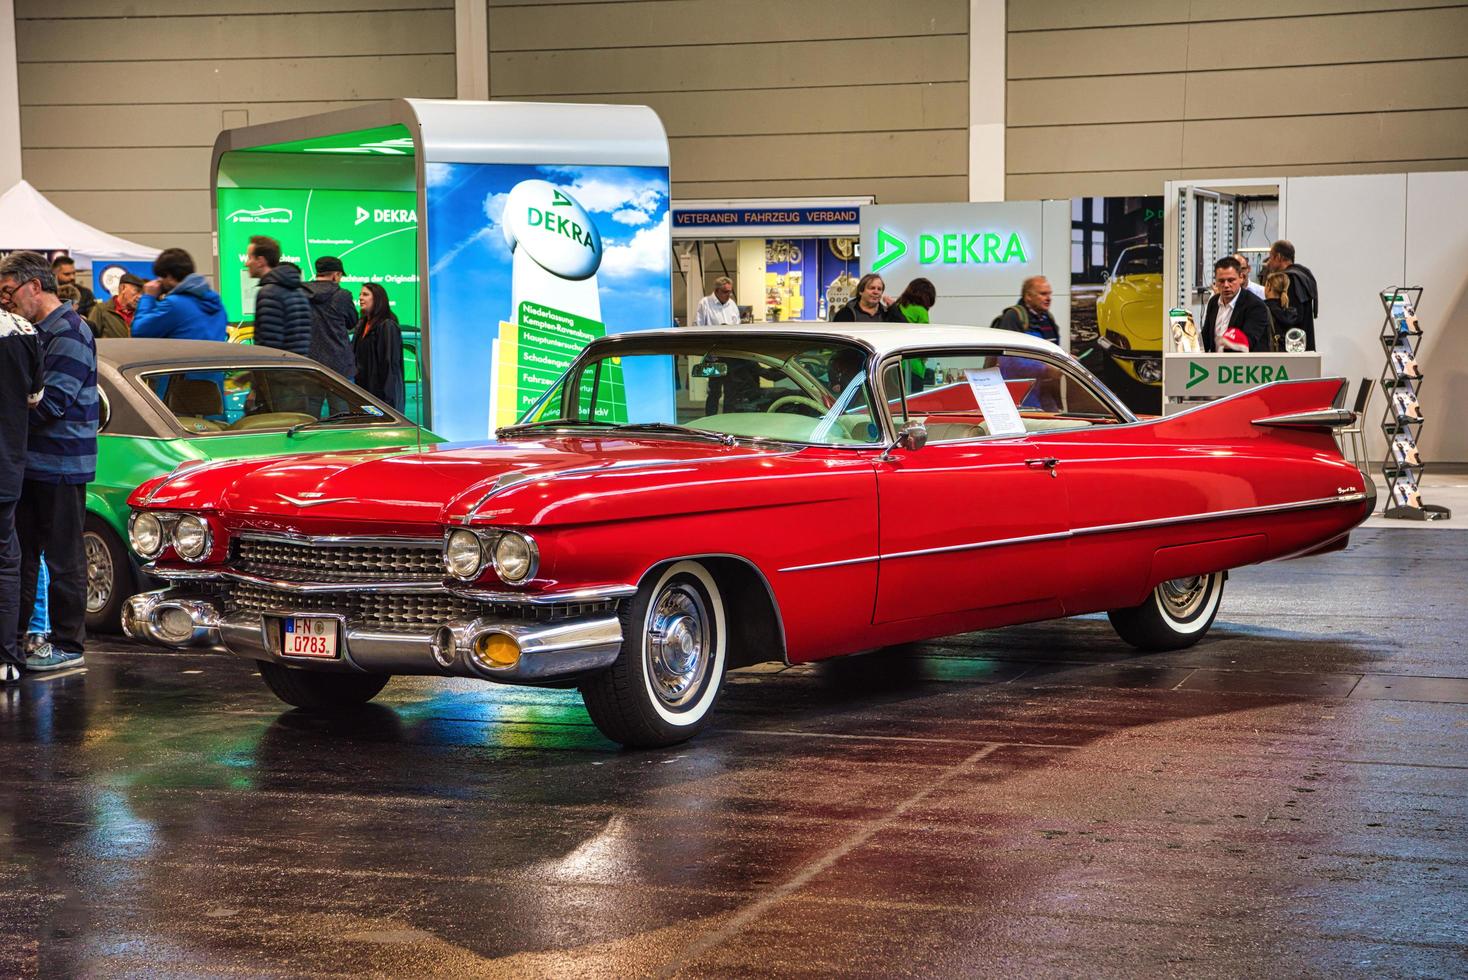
[
  {"x": 397, "y": 612},
  {"x": 377, "y": 561}
]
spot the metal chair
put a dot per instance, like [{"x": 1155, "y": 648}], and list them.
[{"x": 1353, "y": 433}]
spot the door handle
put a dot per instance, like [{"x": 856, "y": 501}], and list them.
[{"x": 1048, "y": 462}]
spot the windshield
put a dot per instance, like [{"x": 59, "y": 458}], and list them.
[
  {"x": 248, "y": 399},
  {"x": 782, "y": 388},
  {"x": 1140, "y": 260}
]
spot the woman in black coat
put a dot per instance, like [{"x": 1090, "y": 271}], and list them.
[{"x": 378, "y": 347}]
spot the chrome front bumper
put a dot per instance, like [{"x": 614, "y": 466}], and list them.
[{"x": 543, "y": 652}]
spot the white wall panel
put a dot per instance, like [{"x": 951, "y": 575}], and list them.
[
  {"x": 1350, "y": 232},
  {"x": 1437, "y": 260}
]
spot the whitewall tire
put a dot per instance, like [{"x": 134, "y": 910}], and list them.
[
  {"x": 1177, "y": 614},
  {"x": 670, "y": 673}
]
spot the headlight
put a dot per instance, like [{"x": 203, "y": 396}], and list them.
[
  {"x": 191, "y": 537},
  {"x": 515, "y": 556},
  {"x": 462, "y": 554},
  {"x": 145, "y": 534}
]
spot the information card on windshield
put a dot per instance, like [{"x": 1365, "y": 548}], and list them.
[{"x": 994, "y": 401}]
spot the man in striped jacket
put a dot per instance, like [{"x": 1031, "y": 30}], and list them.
[{"x": 61, "y": 458}]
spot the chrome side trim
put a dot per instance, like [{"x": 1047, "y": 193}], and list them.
[
  {"x": 1345, "y": 498},
  {"x": 1330, "y": 418}
]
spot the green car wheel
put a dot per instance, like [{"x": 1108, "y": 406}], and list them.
[{"x": 109, "y": 575}]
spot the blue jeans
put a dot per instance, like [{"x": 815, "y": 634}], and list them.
[{"x": 41, "y": 616}]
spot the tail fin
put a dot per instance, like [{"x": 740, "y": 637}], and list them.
[{"x": 1305, "y": 410}]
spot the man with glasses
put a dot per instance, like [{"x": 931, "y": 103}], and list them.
[{"x": 61, "y": 457}]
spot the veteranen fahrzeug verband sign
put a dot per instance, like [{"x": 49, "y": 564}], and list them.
[{"x": 1215, "y": 375}]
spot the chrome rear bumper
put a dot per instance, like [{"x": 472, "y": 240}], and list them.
[{"x": 537, "y": 652}]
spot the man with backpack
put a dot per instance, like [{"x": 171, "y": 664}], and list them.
[{"x": 1031, "y": 314}]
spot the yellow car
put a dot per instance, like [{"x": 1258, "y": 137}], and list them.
[{"x": 1129, "y": 314}]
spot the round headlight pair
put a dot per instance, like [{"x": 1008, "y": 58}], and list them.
[
  {"x": 513, "y": 555},
  {"x": 189, "y": 536}
]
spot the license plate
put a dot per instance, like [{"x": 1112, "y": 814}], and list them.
[{"x": 308, "y": 636}]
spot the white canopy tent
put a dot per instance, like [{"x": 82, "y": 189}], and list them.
[{"x": 29, "y": 221}]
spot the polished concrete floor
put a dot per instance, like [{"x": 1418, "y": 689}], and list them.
[{"x": 1288, "y": 798}]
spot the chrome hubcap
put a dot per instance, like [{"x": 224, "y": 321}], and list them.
[
  {"x": 1184, "y": 596},
  {"x": 99, "y": 572},
  {"x": 678, "y": 644}
]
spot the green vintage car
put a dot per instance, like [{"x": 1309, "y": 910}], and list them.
[{"x": 166, "y": 402}]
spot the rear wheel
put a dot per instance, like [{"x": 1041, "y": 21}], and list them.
[
  {"x": 321, "y": 691},
  {"x": 664, "y": 684},
  {"x": 1177, "y": 614},
  {"x": 109, "y": 575}
]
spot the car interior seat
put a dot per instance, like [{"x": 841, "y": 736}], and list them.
[{"x": 191, "y": 400}]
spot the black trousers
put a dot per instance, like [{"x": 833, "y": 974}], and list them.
[
  {"x": 48, "y": 519},
  {"x": 10, "y": 618}
]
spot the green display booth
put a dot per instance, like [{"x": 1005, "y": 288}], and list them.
[{"x": 506, "y": 235}]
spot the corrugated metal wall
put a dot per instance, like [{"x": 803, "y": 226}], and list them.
[
  {"x": 763, "y": 98},
  {"x": 1116, "y": 96},
  {"x": 120, "y": 102}
]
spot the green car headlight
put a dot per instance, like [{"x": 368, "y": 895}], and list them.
[
  {"x": 463, "y": 555},
  {"x": 515, "y": 556},
  {"x": 145, "y": 534}
]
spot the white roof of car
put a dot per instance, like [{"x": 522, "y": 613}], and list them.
[{"x": 883, "y": 337}]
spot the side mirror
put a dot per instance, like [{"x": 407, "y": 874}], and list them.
[
  {"x": 913, "y": 435},
  {"x": 1105, "y": 275}
]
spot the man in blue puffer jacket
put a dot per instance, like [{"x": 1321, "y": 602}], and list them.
[
  {"x": 179, "y": 302},
  {"x": 282, "y": 308}
]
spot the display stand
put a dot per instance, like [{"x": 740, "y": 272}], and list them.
[{"x": 1401, "y": 422}]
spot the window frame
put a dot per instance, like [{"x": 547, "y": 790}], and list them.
[{"x": 1072, "y": 367}]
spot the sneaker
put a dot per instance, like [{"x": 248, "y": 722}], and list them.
[
  {"x": 9, "y": 673},
  {"x": 34, "y": 642},
  {"x": 48, "y": 657}
]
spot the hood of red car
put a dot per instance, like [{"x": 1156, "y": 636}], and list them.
[{"x": 322, "y": 491}]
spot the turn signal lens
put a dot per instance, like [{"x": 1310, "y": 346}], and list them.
[
  {"x": 514, "y": 557},
  {"x": 191, "y": 537},
  {"x": 497, "y": 650},
  {"x": 462, "y": 554},
  {"x": 145, "y": 534}
]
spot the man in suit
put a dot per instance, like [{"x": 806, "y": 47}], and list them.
[{"x": 1234, "y": 306}]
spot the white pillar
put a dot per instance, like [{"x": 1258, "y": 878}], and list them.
[
  {"x": 471, "y": 49},
  {"x": 9, "y": 99},
  {"x": 986, "y": 99}
]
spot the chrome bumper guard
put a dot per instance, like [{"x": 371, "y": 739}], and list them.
[{"x": 535, "y": 652}]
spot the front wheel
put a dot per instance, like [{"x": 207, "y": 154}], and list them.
[
  {"x": 1177, "y": 614},
  {"x": 321, "y": 691},
  {"x": 663, "y": 686}
]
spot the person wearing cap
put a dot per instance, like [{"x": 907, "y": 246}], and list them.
[
  {"x": 333, "y": 315},
  {"x": 114, "y": 318}
]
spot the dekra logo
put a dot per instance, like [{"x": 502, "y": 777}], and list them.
[
  {"x": 387, "y": 216},
  {"x": 558, "y": 225},
  {"x": 953, "y": 248}
]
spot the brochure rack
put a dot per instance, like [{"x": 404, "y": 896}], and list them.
[{"x": 1401, "y": 422}]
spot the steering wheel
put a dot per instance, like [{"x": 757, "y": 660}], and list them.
[{"x": 797, "y": 400}]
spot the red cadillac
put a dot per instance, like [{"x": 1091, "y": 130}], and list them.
[{"x": 687, "y": 501}]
